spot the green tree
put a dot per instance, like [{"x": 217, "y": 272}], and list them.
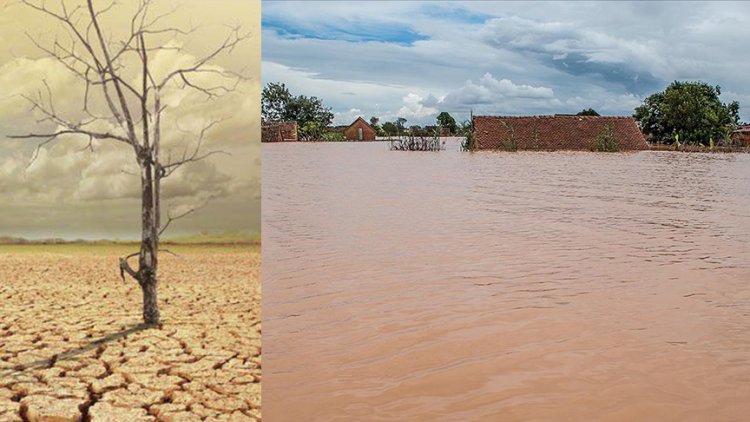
[
  {"x": 304, "y": 110},
  {"x": 400, "y": 124},
  {"x": 274, "y": 101},
  {"x": 417, "y": 130},
  {"x": 690, "y": 110},
  {"x": 390, "y": 128},
  {"x": 278, "y": 104},
  {"x": 311, "y": 131},
  {"x": 587, "y": 112},
  {"x": 375, "y": 123},
  {"x": 444, "y": 119}
]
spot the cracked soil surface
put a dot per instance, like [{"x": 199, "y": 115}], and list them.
[{"x": 71, "y": 348}]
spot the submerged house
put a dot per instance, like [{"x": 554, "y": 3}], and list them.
[
  {"x": 359, "y": 130},
  {"x": 278, "y": 132},
  {"x": 742, "y": 135},
  {"x": 558, "y": 132}
]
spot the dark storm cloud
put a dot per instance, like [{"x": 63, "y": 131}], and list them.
[{"x": 611, "y": 74}]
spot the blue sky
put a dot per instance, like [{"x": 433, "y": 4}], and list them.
[{"x": 415, "y": 59}]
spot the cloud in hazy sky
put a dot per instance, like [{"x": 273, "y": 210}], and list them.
[{"x": 413, "y": 59}]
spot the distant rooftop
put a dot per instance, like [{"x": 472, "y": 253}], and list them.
[{"x": 558, "y": 132}]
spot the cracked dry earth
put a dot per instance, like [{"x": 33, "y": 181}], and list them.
[{"x": 71, "y": 348}]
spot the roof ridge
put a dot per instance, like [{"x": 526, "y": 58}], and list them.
[
  {"x": 363, "y": 120},
  {"x": 552, "y": 116}
]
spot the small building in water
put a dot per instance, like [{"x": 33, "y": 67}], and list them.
[
  {"x": 278, "y": 132},
  {"x": 558, "y": 132},
  {"x": 359, "y": 130},
  {"x": 741, "y": 135}
]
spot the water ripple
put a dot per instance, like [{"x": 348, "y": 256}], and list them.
[{"x": 504, "y": 286}]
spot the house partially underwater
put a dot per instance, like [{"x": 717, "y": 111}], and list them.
[
  {"x": 359, "y": 130},
  {"x": 558, "y": 132},
  {"x": 278, "y": 132},
  {"x": 742, "y": 135}
]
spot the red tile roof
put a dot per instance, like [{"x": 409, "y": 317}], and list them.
[
  {"x": 363, "y": 121},
  {"x": 555, "y": 132}
]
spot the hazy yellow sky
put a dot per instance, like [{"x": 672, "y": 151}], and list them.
[{"x": 74, "y": 193}]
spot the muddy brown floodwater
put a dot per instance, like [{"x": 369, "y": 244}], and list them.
[{"x": 504, "y": 286}]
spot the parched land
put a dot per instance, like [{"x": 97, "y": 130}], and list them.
[{"x": 71, "y": 347}]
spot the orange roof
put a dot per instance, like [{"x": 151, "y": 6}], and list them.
[
  {"x": 363, "y": 121},
  {"x": 555, "y": 132}
]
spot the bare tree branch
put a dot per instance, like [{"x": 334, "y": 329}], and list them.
[
  {"x": 231, "y": 41},
  {"x": 125, "y": 268},
  {"x": 169, "y": 252},
  {"x": 196, "y": 154},
  {"x": 109, "y": 69},
  {"x": 118, "y": 73},
  {"x": 96, "y": 135},
  {"x": 171, "y": 218},
  {"x": 49, "y": 137}
]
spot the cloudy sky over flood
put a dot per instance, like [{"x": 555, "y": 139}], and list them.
[
  {"x": 72, "y": 192},
  {"x": 413, "y": 59}
]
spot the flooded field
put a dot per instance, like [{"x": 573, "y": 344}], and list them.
[
  {"x": 504, "y": 286},
  {"x": 71, "y": 348}
]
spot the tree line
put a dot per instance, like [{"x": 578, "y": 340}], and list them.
[
  {"x": 314, "y": 120},
  {"x": 684, "y": 113},
  {"x": 445, "y": 124}
]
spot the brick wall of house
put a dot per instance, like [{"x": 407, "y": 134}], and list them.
[
  {"x": 742, "y": 138},
  {"x": 368, "y": 133},
  {"x": 742, "y": 135},
  {"x": 547, "y": 133},
  {"x": 279, "y": 132}
]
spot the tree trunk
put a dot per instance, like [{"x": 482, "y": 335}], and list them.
[
  {"x": 147, "y": 260},
  {"x": 150, "y": 303}
]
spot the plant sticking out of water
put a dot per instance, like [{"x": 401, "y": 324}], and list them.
[
  {"x": 418, "y": 143},
  {"x": 512, "y": 144},
  {"x": 333, "y": 136},
  {"x": 606, "y": 141},
  {"x": 468, "y": 144},
  {"x": 535, "y": 140},
  {"x": 310, "y": 131}
]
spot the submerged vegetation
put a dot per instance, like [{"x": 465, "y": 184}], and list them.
[
  {"x": 469, "y": 142},
  {"x": 512, "y": 144},
  {"x": 333, "y": 136},
  {"x": 606, "y": 141},
  {"x": 410, "y": 142},
  {"x": 315, "y": 131}
]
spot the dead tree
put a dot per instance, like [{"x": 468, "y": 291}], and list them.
[{"x": 132, "y": 110}]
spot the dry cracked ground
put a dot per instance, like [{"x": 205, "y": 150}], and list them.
[{"x": 71, "y": 348}]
